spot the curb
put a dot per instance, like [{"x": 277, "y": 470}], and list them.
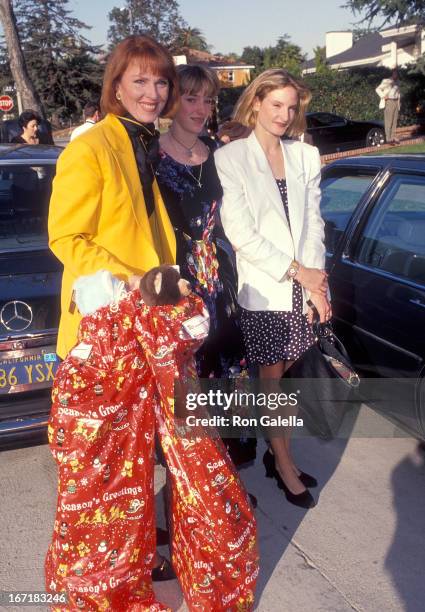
[{"x": 329, "y": 157}]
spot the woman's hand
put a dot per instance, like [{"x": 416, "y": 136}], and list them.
[
  {"x": 313, "y": 279},
  {"x": 323, "y": 308}
]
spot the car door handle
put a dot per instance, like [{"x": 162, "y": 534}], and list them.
[{"x": 417, "y": 302}]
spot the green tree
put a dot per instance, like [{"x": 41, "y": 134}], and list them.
[
  {"x": 255, "y": 57},
  {"x": 288, "y": 55},
  {"x": 351, "y": 93},
  {"x": 191, "y": 38},
  {"x": 390, "y": 10},
  {"x": 6, "y": 77},
  {"x": 232, "y": 56},
  {"x": 320, "y": 60},
  {"x": 284, "y": 54},
  {"x": 61, "y": 62},
  {"x": 13, "y": 61},
  {"x": 121, "y": 25},
  {"x": 360, "y": 32},
  {"x": 160, "y": 19},
  {"x": 417, "y": 68}
]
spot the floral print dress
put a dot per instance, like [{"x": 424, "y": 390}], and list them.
[{"x": 192, "y": 195}]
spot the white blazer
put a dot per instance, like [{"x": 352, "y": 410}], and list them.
[{"x": 254, "y": 219}]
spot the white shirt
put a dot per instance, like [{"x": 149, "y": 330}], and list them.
[
  {"x": 388, "y": 89},
  {"x": 89, "y": 123},
  {"x": 394, "y": 92}
]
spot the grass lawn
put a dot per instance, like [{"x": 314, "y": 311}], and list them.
[{"x": 412, "y": 148}]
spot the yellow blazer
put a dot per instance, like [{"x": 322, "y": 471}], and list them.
[{"x": 98, "y": 218}]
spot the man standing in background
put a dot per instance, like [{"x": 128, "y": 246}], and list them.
[
  {"x": 389, "y": 92},
  {"x": 91, "y": 114}
]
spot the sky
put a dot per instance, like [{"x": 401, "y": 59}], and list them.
[{"x": 230, "y": 25}]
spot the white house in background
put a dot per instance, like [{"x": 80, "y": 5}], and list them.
[{"x": 395, "y": 46}]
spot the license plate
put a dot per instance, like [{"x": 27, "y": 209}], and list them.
[{"x": 27, "y": 369}]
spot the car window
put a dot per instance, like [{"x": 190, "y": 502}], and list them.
[
  {"x": 341, "y": 193},
  {"x": 393, "y": 239},
  {"x": 324, "y": 119},
  {"x": 24, "y": 201},
  {"x": 313, "y": 121}
]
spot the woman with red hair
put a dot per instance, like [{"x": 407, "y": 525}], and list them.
[{"x": 106, "y": 211}]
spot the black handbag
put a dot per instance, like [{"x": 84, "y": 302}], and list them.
[{"x": 326, "y": 381}]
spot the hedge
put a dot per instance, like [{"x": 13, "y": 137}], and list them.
[{"x": 351, "y": 93}]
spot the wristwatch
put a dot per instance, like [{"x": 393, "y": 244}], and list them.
[{"x": 294, "y": 266}]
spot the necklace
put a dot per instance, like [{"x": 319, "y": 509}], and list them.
[
  {"x": 185, "y": 147},
  {"x": 196, "y": 179}
]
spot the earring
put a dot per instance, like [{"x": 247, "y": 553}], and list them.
[{"x": 118, "y": 97}]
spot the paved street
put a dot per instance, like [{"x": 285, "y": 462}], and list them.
[{"x": 362, "y": 548}]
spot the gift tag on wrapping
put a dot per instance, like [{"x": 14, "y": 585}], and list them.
[
  {"x": 82, "y": 351},
  {"x": 198, "y": 326}
]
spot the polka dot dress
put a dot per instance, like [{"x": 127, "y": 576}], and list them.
[{"x": 272, "y": 336}]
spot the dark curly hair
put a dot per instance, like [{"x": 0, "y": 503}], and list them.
[{"x": 26, "y": 117}]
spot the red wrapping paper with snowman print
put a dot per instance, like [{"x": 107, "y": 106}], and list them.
[
  {"x": 214, "y": 544},
  {"x": 112, "y": 392}
]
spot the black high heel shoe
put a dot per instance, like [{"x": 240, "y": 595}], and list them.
[
  {"x": 268, "y": 460},
  {"x": 306, "y": 479},
  {"x": 303, "y": 500},
  {"x": 164, "y": 571}
]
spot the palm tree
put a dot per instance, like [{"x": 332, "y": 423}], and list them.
[{"x": 191, "y": 38}]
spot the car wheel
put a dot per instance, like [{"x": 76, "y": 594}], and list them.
[{"x": 375, "y": 137}]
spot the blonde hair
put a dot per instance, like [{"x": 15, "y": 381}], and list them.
[
  {"x": 193, "y": 78},
  {"x": 267, "y": 81}
]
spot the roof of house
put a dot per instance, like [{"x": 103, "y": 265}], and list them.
[
  {"x": 194, "y": 56},
  {"x": 366, "y": 47},
  {"x": 221, "y": 64},
  {"x": 369, "y": 45}
]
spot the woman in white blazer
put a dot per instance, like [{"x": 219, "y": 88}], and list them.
[{"x": 270, "y": 213}]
